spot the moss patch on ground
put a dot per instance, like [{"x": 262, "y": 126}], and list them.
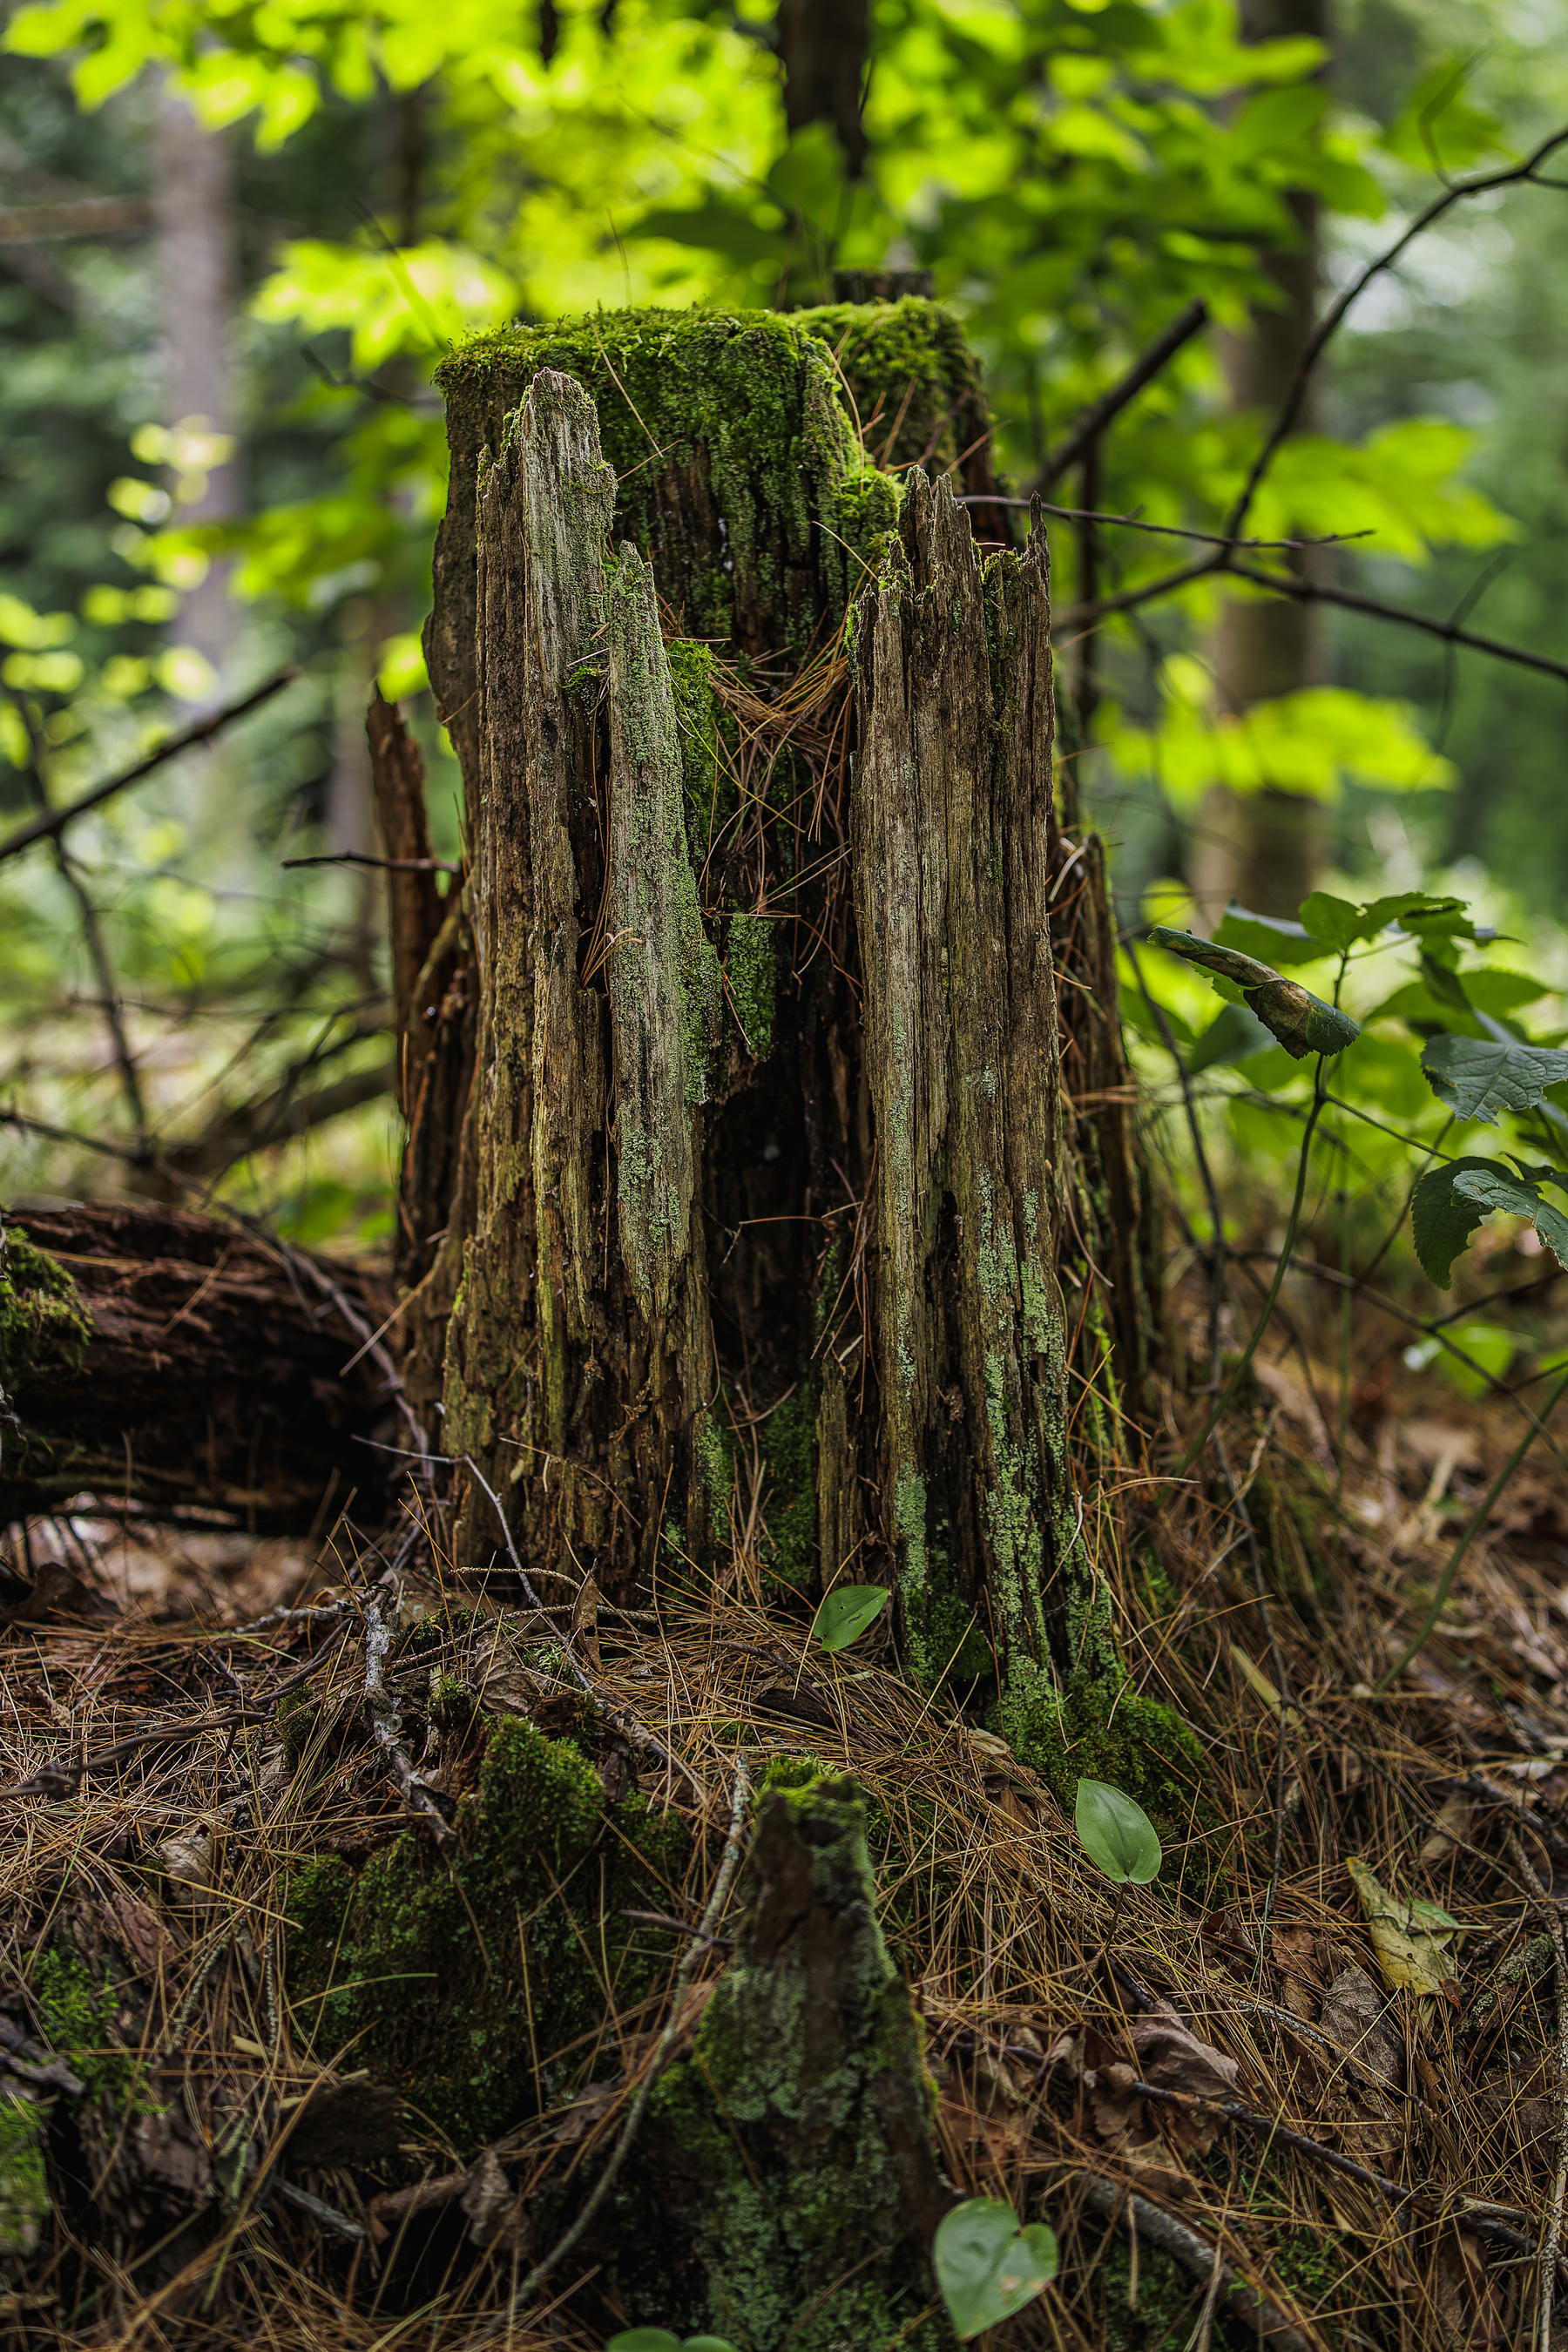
[
  {"x": 462, "y": 1981},
  {"x": 44, "y": 1326}
]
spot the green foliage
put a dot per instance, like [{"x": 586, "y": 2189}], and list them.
[
  {"x": 989, "y": 2265},
  {"x": 847, "y": 1614},
  {"x": 660, "y": 2339},
  {"x": 1302, "y": 1021},
  {"x": 1481, "y": 1077},
  {"x": 1117, "y": 1834},
  {"x": 1452, "y": 1198}
]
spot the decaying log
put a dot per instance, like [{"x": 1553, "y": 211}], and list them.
[{"x": 149, "y": 1354}]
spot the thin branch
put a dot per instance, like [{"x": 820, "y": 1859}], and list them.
[
  {"x": 50, "y": 828},
  {"x": 1091, "y": 423},
  {"x": 1289, "y": 407},
  {"x": 416, "y": 865},
  {"x": 1161, "y": 530},
  {"x": 1314, "y": 592}
]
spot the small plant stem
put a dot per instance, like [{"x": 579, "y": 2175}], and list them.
[
  {"x": 1477, "y": 1520},
  {"x": 1282, "y": 1264}
]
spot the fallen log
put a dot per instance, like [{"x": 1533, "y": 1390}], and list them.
[{"x": 166, "y": 1362}]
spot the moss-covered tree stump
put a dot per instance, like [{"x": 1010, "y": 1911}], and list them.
[
  {"x": 787, "y": 2188},
  {"x": 798, "y": 1215}
]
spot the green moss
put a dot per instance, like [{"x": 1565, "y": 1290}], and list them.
[
  {"x": 76, "y": 2013},
  {"x": 749, "y": 968},
  {"x": 707, "y": 746},
  {"x": 23, "y": 2184},
  {"x": 44, "y": 1330},
  {"x": 447, "y": 1977},
  {"x": 1168, "y": 2301},
  {"x": 790, "y": 2129},
  {"x": 789, "y": 1446},
  {"x": 749, "y": 400},
  {"x": 1100, "y": 1731},
  {"x": 906, "y": 365}
]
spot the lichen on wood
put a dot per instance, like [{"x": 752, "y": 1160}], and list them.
[{"x": 795, "y": 2149}]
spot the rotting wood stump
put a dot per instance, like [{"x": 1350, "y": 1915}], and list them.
[{"x": 797, "y": 1223}]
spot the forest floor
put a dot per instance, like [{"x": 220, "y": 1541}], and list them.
[{"x": 1308, "y": 2088}]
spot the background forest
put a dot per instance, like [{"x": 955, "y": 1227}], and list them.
[{"x": 236, "y": 242}]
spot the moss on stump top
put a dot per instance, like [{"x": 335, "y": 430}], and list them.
[{"x": 749, "y": 448}]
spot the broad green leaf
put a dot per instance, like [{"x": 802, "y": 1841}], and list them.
[
  {"x": 1378, "y": 913},
  {"x": 1234, "y": 1035},
  {"x": 1333, "y": 920},
  {"x": 1406, "y": 1937},
  {"x": 1302, "y": 1021},
  {"x": 1281, "y": 944},
  {"x": 1117, "y": 1834},
  {"x": 1488, "y": 992},
  {"x": 1480, "y": 1077},
  {"x": 987, "y": 2266},
  {"x": 1442, "y": 1218},
  {"x": 845, "y": 1615},
  {"x": 1494, "y": 1188}
]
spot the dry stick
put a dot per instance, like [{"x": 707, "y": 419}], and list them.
[
  {"x": 1194, "y": 2252},
  {"x": 1553, "y": 2238},
  {"x": 712, "y": 1914},
  {"x": 50, "y": 828},
  {"x": 1134, "y": 521},
  {"x": 1477, "y": 1520}
]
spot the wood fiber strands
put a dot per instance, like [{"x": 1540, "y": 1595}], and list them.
[
  {"x": 578, "y": 1349},
  {"x": 950, "y": 835}
]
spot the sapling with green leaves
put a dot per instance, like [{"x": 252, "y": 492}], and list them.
[{"x": 1475, "y": 1057}]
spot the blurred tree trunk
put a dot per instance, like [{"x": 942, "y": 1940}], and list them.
[
  {"x": 796, "y": 1234},
  {"x": 194, "y": 204},
  {"x": 825, "y": 46},
  {"x": 1266, "y": 849}
]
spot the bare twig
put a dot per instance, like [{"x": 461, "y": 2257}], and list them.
[
  {"x": 1281, "y": 583},
  {"x": 1091, "y": 423},
  {"x": 50, "y": 828}
]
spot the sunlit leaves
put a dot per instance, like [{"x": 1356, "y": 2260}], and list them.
[
  {"x": 847, "y": 1614},
  {"x": 1481, "y": 1077}
]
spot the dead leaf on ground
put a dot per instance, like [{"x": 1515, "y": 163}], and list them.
[
  {"x": 1352, "y": 2017},
  {"x": 1407, "y": 1937},
  {"x": 490, "y": 2205},
  {"x": 1171, "y": 2057},
  {"x": 1452, "y": 1825},
  {"x": 1297, "y": 1951}
]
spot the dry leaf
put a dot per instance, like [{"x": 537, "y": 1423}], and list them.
[
  {"x": 492, "y": 2208},
  {"x": 1171, "y": 2056},
  {"x": 1407, "y": 1937},
  {"x": 1296, "y": 1952},
  {"x": 1452, "y": 1824},
  {"x": 1352, "y": 2016},
  {"x": 138, "y": 1930}
]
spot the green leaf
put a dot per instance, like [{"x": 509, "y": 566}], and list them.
[
  {"x": 1282, "y": 944},
  {"x": 1234, "y": 1035},
  {"x": 1117, "y": 1834},
  {"x": 845, "y": 1615},
  {"x": 1494, "y": 1188},
  {"x": 1333, "y": 920},
  {"x": 1480, "y": 1077},
  {"x": 1442, "y": 1218},
  {"x": 660, "y": 2339},
  {"x": 1302, "y": 1021},
  {"x": 987, "y": 2267}
]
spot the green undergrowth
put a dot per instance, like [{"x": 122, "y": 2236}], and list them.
[
  {"x": 23, "y": 2184},
  {"x": 1098, "y": 1730},
  {"x": 76, "y": 2011},
  {"x": 465, "y": 1980}
]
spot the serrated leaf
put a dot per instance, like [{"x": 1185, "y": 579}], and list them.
[
  {"x": 1442, "y": 1218},
  {"x": 1302, "y": 1021},
  {"x": 1378, "y": 913},
  {"x": 1494, "y": 1188},
  {"x": 846, "y": 1613},
  {"x": 1278, "y": 944},
  {"x": 1480, "y": 1077},
  {"x": 1234, "y": 1035},
  {"x": 987, "y": 2266},
  {"x": 1117, "y": 1834},
  {"x": 1408, "y": 1945}
]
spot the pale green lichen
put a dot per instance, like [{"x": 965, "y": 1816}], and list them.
[{"x": 749, "y": 968}]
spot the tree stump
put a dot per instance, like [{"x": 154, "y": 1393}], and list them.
[{"x": 797, "y": 1218}]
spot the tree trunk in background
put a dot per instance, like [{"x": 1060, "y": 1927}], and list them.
[
  {"x": 791, "y": 1196},
  {"x": 194, "y": 208},
  {"x": 1266, "y": 849},
  {"x": 825, "y": 46}
]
